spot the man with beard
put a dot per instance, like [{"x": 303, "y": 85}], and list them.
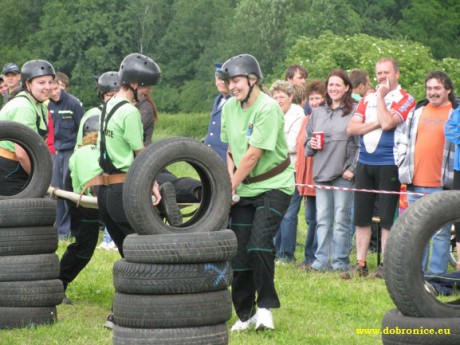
[{"x": 426, "y": 158}]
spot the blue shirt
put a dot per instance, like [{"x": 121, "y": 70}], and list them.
[
  {"x": 66, "y": 113},
  {"x": 213, "y": 136}
]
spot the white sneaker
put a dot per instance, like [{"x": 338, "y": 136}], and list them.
[
  {"x": 264, "y": 319},
  {"x": 103, "y": 245},
  {"x": 111, "y": 246},
  {"x": 244, "y": 325}
]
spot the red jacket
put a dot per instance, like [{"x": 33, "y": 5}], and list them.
[
  {"x": 50, "y": 137},
  {"x": 304, "y": 165}
]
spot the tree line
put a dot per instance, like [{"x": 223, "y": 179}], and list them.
[{"x": 84, "y": 38}]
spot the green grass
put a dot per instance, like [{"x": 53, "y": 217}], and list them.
[{"x": 316, "y": 308}]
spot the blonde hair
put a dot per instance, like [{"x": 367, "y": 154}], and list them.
[
  {"x": 283, "y": 86},
  {"x": 90, "y": 138},
  {"x": 300, "y": 94}
]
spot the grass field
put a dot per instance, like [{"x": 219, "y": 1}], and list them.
[{"x": 317, "y": 308}]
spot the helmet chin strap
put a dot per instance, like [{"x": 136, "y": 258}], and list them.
[
  {"x": 30, "y": 93},
  {"x": 251, "y": 87},
  {"x": 134, "y": 93}
]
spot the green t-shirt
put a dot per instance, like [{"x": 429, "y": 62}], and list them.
[
  {"x": 261, "y": 126},
  {"x": 83, "y": 166},
  {"x": 96, "y": 111},
  {"x": 124, "y": 134},
  {"x": 23, "y": 110}
]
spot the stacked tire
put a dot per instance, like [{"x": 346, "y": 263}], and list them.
[
  {"x": 172, "y": 285},
  {"x": 29, "y": 268},
  {"x": 173, "y": 289},
  {"x": 420, "y": 318}
]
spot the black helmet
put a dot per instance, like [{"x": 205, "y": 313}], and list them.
[
  {"x": 108, "y": 82},
  {"x": 10, "y": 68},
  {"x": 140, "y": 69},
  {"x": 243, "y": 64},
  {"x": 36, "y": 68},
  {"x": 91, "y": 124}
]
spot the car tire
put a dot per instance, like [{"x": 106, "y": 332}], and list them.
[
  {"x": 181, "y": 248},
  {"x": 211, "y": 214},
  {"x": 403, "y": 256},
  {"x": 395, "y": 323},
  {"x": 172, "y": 311},
  {"x": 206, "y": 335},
  {"x": 40, "y": 158},
  {"x": 164, "y": 279},
  {"x": 29, "y": 267}
]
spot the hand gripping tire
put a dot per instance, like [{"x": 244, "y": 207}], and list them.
[
  {"x": 39, "y": 155},
  {"x": 212, "y": 213},
  {"x": 403, "y": 256},
  {"x": 398, "y": 329}
]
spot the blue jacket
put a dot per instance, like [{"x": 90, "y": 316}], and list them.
[
  {"x": 66, "y": 113},
  {"x": 213, "y": 137},
  {"x": 452, "y": 131}
]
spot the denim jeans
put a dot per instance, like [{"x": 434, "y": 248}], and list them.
[
  {"x": 286, "y": 237},
  {"x": 441, "y": 239},
  {"x": 311, "y": 240},
  {"x": 333, "y": 229},
  {"x": 106, "y": 238}
]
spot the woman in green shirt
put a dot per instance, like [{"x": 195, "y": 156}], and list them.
[
  {"x": 261, "y": 174},
  {"x": 27, "y": 108}
]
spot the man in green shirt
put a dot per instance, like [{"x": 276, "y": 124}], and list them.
[{"x": 261, "y": 173}]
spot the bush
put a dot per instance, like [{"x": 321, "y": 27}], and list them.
[
  {"x": 322, "y": 54},
  {"x": 190, "y": 125}
]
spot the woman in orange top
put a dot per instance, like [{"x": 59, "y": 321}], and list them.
[{"x": 304, "y": 174}]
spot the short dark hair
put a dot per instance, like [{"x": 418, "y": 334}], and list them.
[
  {"x": 290, "y": 73},
  {"x": 389, "y": 59},
  {"x": 62, "y": 77},
  {"x": 358, "y": 77},
  {"x": 316, "y": 86},
  {"x": 445, "y": 81}
]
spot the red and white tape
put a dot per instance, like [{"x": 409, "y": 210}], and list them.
[{"x": 359, "y": 190}]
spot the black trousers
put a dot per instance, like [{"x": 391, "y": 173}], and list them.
[
  {"x": 112, "y": 213},
  {"x": 85, "y": 227},
  {"x": 255, "y": 222},
  {"x": 13, "y": 177},
  {"x": 187, "y": 189}
]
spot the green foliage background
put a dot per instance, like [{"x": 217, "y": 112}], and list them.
[{"x": 88, "y": 37}]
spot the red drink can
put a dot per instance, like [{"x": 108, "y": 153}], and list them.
[{"x": 319, "y": 137}]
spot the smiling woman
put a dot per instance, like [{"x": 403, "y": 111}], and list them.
[
  {"x": 26, "y": 108},
  {"x": 333, "y": 165}
]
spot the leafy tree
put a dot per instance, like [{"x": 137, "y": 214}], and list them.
[
  {"x": 434, "y": 23},
  {"x": 379, "y": 17},
  {"x": 328, "y": 51},
  {"x": 83, "y": 38},
  {"x": 18, "y": 21},
  {"x": 194, "y": 27}
]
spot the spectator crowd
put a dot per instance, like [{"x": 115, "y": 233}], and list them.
[{"x": 323, "y": 143}]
